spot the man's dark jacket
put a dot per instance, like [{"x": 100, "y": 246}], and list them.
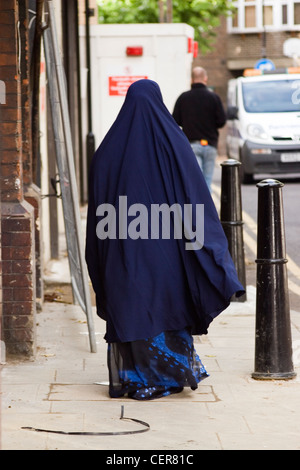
[{"x": 200, "y": 113}]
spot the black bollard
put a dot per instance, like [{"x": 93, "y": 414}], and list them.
[
  {"x": 231, "y": 217},
  {"x": 273, "y": 343}
]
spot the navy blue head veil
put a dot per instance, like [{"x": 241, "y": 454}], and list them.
[{"x": 147, "y": 281}]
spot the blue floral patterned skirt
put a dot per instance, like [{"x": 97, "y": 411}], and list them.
[{"x": 154, "y": 367}]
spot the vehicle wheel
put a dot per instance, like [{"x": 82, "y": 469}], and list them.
[{"x": 246, "y": 178}]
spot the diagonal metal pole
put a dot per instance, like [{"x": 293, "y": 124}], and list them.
[{"x": 86, "y": 302}]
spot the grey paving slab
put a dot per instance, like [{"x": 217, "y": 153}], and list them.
[{"x": 65, "y": 388}]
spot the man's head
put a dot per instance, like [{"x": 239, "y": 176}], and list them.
[{"x": 199, "y": 75}]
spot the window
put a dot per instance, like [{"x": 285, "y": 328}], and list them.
[
  {"x": 259, "y": 96},
  {"x": 250, "y": 16},
  {"x": 284, "y": 15},
  {"x": 297, "y": 13},
  {"x": 269, "y": 15}
]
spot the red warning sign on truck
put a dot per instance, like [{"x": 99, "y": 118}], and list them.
[{"x": 118, "y": 85}]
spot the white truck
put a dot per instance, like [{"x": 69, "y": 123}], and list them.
[{"x": 263, "y": 127}]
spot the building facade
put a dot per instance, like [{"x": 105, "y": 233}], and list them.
[
  {"x": 257, "y": 29},
  {"x": 18, "y": 218},
  {"x": 262, "y": 28},
  {"x": 25, "y": 207}
]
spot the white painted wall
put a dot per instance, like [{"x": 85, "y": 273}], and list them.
[{"x": 165, "y": 59}]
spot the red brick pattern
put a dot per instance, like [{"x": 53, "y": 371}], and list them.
[
  {"x": 17, "y": 283},
  {"x": 17, "y": 216},
  {"x": 10, "y": 117},
  {"x": 1, "y": 299}
]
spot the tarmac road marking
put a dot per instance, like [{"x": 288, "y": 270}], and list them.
[{"x": 251, "y": 225}]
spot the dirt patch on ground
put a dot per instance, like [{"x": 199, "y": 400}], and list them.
[{"x": 61, "y": 292}]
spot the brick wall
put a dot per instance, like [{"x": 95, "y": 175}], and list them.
[
  {"x": 17, "y": 216},
  {"x": 249, "y": 46},
  {"x": 215, "y": 64}
]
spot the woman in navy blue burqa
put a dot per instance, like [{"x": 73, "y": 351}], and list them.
[{"x": 156, "y": 252}]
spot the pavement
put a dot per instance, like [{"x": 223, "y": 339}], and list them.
[
  {"x": 57, "y": 400},
  {"x": 65, "y": 389}
]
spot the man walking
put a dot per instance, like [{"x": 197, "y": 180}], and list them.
[{"x": 200, "y": 113}]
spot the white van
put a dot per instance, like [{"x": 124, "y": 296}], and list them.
[{"x": 264, "y": 123}]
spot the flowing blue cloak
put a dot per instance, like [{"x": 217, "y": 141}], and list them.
[{"x": 146, "y": 286}]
